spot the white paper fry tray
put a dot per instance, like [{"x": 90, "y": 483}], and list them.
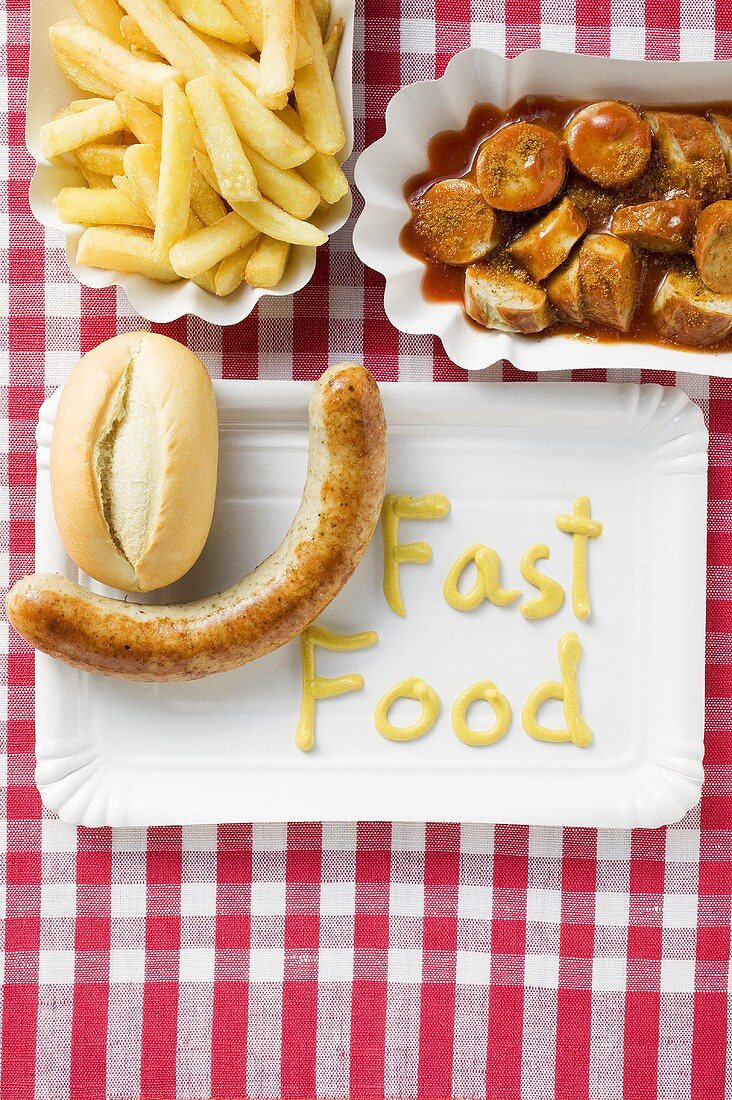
[
  {"x": 49, "y": 90},
  {"x": 510, "y": 458},
  {"x": 419, "y": 111}
]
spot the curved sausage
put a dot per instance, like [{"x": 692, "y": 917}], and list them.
[
  {"x": 454, "y": 223},
  {"x": 501, "y": 299},
  {"x": 686, "y": 312},
  {"x": 690, "y": 155},
  {"x": 609, "y": 143},
  {"x": 339, "y": 510},
  {"x": 713, "y": 246},
  {"x": 548, "y": 242},
  {"x": 664, "y": 225},
  {"x": 521, "y": 167}
]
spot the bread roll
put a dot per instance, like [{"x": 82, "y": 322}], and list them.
[{"x": 133, "y": 461}]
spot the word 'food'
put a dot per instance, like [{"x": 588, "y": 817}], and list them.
[{"x": 566, "y": 691}]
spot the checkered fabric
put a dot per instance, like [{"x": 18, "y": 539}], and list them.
[{"x": 364, "y": 960}]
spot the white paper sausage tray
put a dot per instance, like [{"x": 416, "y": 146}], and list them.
[{"x": 510, "y": 458}]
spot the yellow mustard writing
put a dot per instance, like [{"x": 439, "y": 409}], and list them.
[
  {"x": 412, "y": 688},
  {"x": 487, "y": 584},
  {"x": 569, "y": 652},
  {"x": 320, "y": 687},
  {"x": 486, "y": 690},
  {"x": 581, "y": 528},
  {"x": 396, "y": 508},
  {"x": 551, "y": 593}
]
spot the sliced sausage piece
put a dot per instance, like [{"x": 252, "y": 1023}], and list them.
[
  {"x": 521, "y": 167},
  {"x": 500, "y": 299},
  {"x": 690, "y": 154},
  {"x": 722, "y": 127},
  {"x": 684, "y": 310},
  {"x": 565, "y": 293},
  {"x": 665, "y": 225},
  {"x": 546, "y": 245},
  {"x": 610, "y": 275},
  {"x": 609, "y": 143},
  {"x": 454, "y": 223},
  {"x": 713, "y": 246}
]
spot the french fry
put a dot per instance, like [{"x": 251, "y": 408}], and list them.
[
  {"x": 144, "y": 55},
  {"x": 85, "y": 104},
  {"x": 140, "y": 120},
  {"x": 103, "y": 15},
  {"x": 237, "y": 182},
  {"x": 106, "y": 59},
  {"x": 84, "y": 206},
  {"x": 80, "y": 76},
  {"x": 148, "y": 129},
  {"x": 332, "y": 44},
  {"x": 267, "y": 218},
  {"x": 142, "y": 165},
  {"x": 240, "y": 63},
  {"x": 267, "y": 263},
  {"x": 205, "y": 248},
  {"x": 94, "y": 179},
  {"x": 203, "y": 163},
  {"x": 206, "y": 202},
  {"x": 73, "y": 109},
  {"x": 142, "y": 173},
  {"x": 133, "y": 36},
  {"x": 249, "y": 14},
  {"x": 114, "y": 248},
  {"x": 322, "y": 14},
  {"x": 123, "y": 185},
  {"x": 284, "y": 186},
  {"x": 253, "y": 122},
  {"x": 212, "y": 18},
  {"x": 314, "y": 92},
  {"x": 207, "y": 279},
  {"x": 67, "y": 133},
  {"x": 322, "y": 171},
  {"x": 176, "y": 167},
  {"x": 277, "y": 57},
  {"x": 103, "y": 158},
  {"x": 325, "y": 174},
  {"x": 230, "y": 272},
  {"x": 158, "y": 23}
]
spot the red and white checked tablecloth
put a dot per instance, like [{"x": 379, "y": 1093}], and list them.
[{"x": 363, "y": 960}]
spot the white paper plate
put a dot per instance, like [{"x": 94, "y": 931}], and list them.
[
  {"x": 510, "y": 458},
  {"x": 48, "y": 90},
  {"x": 419, "y": 111}
]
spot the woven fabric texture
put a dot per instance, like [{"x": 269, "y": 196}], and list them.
[{"x": 328, "y": 960}]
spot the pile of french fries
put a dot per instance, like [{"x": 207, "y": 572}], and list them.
[{"x": 208, "y": 139}]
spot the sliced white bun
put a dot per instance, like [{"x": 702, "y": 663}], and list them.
[{"x": 133, "y": 461}]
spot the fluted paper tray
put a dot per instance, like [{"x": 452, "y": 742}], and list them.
[
  {"x": 419, "y": 111},
  {"x": 49, "y": 90},
  {"x": 510, "y": 458}
]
